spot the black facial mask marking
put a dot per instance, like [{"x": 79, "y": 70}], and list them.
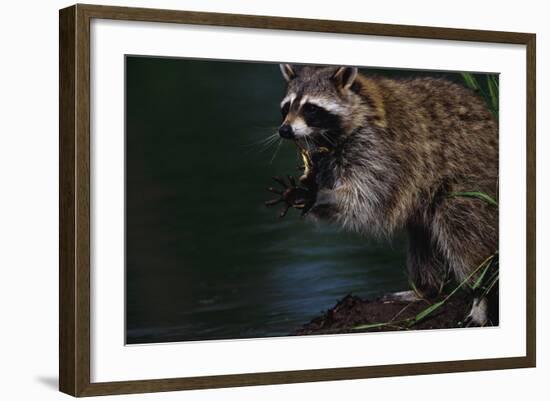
[{"x": 319, "y": 117}]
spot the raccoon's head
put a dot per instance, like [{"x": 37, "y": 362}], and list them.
[{"x": 319, "y": 104}]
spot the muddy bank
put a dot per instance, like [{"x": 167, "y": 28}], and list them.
[{"x": 352, "y": 312}]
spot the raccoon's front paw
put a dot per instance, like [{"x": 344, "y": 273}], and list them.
[{"x": 291, "y": 195}]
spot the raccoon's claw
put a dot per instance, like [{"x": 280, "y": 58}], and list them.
[
  {"x": 292, "y": 195},
  {"x": 273, "y": 202},
  {"x": 285, "y": 211},
  {"x": 280, "y": 180},
  {"x": 402, "y": 296},
  {"x": 292, "y": 181},
  {"x": 275, "y": 191}
]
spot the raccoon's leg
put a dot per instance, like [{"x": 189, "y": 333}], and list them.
[
  {"x": 467, "y": 233},
  {"x": 425, "y": 264}
]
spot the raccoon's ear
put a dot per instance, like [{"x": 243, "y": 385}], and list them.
[
  {"x": 345, "y": 76},
  {"x": 288, "y": 72}
]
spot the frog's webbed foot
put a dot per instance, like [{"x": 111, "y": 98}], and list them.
[{"x": 291, "y": 195}]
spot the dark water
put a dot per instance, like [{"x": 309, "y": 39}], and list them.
[{"x": 205, "y": 259}]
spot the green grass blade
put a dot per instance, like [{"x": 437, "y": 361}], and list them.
[
  {"x": 470, "y": 80},
  {"x": 481, "y": 276},
  {"x": 428, "y": 311},
  {"x": 492, "y": 83},
  {"x": 490, "y": 287},
  {"x": 369, "y": 326},
  {"x": 475, "y": 194},
  {"x": 488, "y": 89},
  {"x": 477, "y": 269}
]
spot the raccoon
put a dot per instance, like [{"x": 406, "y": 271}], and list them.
[{"x": 387, "y": 154}]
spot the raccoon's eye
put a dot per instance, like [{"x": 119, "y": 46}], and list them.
[
  {"x": 311, "y": 109},
  {"x": 285, "y": 109}
]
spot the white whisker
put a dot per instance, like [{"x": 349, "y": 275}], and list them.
[
  {"x": 329, "y": 140},
  {"x": 265, "y": 140},
  {"x": 276, "y": 151}
]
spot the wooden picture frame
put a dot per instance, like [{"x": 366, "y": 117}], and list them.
[{"x": 74, "y": 206}]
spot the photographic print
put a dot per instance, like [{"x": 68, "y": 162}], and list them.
[
  {"x": 264, "y": 200},
  {"x": 267, "y": 200}
]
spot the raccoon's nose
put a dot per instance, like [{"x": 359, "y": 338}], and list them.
[{"x": 285, "y": 131}]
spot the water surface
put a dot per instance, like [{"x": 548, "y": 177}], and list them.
[{"x": 204, "y": 258}]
